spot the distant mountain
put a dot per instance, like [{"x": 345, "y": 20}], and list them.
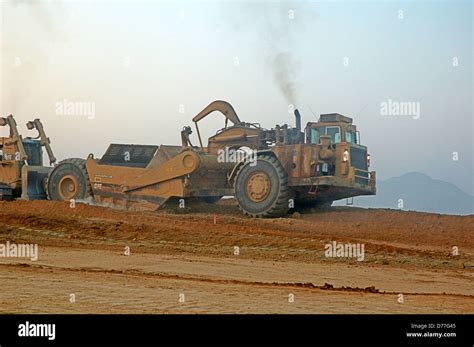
[{"x": 417, "y": 192}]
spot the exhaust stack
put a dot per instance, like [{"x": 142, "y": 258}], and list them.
[{"x": 297, "y": 120}]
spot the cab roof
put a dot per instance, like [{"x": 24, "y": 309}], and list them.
[{"x": 334, "y": 117}]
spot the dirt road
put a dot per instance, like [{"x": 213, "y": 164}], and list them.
[{"x": 98, "y": 260}]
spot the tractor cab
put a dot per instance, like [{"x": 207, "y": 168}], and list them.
[
  {"x": 334, "y": 125},
  {"x": 336, "y": 133}
]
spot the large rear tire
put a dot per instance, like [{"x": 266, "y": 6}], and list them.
[
  {"x": 261, "y": 190},
  {"x": 69, "y": 180}
]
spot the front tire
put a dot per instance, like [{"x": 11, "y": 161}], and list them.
[
  {"x": 261, "y": 190},
  {"x": 69, "y": 180}
]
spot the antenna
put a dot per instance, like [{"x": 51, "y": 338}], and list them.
[
  {"x": 311, "y": 110},
  {"x": 362, "y": 109}
]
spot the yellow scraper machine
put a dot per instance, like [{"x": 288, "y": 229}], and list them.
[{"x": 283, "y": 166}]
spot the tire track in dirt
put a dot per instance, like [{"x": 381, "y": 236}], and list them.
[{"x": 305, "y": 285}]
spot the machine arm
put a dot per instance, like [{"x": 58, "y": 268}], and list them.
[
  {"x": 223, "y": 107},
  {"x": 15, "y": 136},
  {"x": 44, "y": 140}
]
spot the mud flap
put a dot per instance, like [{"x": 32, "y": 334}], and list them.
[{"x": 33, "y": 179}]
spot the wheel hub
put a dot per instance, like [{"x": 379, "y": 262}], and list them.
[
  {"x": 68, "y": 187},
  {"x": 258, "y": 186}
]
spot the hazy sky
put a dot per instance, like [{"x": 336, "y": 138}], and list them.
[{"x": 147, "y": 67}]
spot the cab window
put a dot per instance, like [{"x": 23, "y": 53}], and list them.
[
  {"x": 333, "y": 131},
  {"x": 314, "y": 135},
  {"x": 350, "y": 137},
  {"x": 335, "y": 134}
]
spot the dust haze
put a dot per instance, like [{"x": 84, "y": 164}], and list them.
[{"x": 27, "y": 50}]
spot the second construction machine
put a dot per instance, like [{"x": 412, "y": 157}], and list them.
[
  {"x": 22, "y": 173},
  {"x": 282, "y": 167}
]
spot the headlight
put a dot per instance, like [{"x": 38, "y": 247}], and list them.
[
  {"x": 345, "y": 156},
  {"x": 368, "y": 160}
]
